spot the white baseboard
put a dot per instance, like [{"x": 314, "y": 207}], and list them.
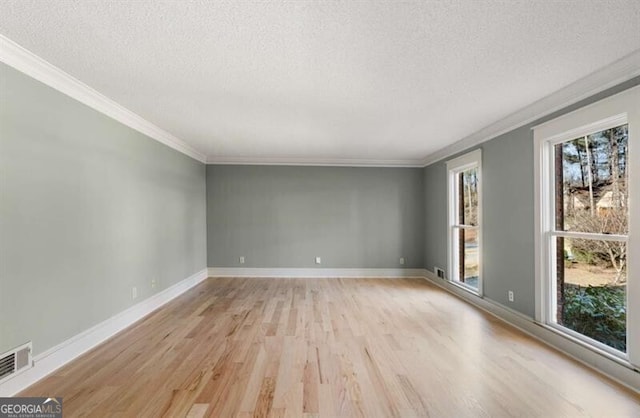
[
  {"x": 313, "y": 272},
  {"x": 56, "y": 357},
  {"x": 599, "y": 361}
]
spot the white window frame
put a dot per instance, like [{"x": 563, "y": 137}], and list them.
[
  {"x": 455, "y": 166},
  {"x": 622, "y": 108}
]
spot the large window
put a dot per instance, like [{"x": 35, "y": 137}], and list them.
[
  {"x": 464, "y": 221},
  {"x": 587, "y": 280}
]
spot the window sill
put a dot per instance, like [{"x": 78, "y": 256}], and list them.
[
  {"x": 466, "y": 288},
  {"x": 604, "y": 353}
]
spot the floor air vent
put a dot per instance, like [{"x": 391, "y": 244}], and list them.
[{"x": 15, "y": 361}]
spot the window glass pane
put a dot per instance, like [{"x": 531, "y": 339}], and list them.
[
  {"x": 591, "y": 289},
  {"x": 591, "y": 183},
  {"x": 468, "y": 197},
  {"x": 469, "y": 266}
]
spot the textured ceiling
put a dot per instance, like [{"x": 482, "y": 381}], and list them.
[{"x": 324, "y": 80}]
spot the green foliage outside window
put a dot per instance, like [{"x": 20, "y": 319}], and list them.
[{"x": 598, "y": 312}]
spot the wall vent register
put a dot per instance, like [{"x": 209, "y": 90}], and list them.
[{"x": 15, "y": 361}]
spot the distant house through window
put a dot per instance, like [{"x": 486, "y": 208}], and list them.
[{"x": 465, "y": 221}]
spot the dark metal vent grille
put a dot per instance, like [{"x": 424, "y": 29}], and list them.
[{"x": 7, "y": 365}]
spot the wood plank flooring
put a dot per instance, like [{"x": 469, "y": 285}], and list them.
[{"x": 331, "y": 348}]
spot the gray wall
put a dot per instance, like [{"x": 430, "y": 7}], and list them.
[
  {"x": 89, "y": 208},
  {"x": 280, "y": 216},
  {"x": 508, "y": 212}
]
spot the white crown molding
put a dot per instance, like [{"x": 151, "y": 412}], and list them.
[
  {"x": 611, "y": 75},
  {"x": 56, "y": 357},
  {"x": 327, "y": 162},
  {"x": 313, "y": 272},
  {"x": 25, "y": 61}
]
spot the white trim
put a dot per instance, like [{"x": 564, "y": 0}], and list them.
[
  {"x": 610, "y": 75},
  {"x": 461, "y": 163},
  {"x": 603, "y": 114},
  {"x": 27, "y": 62},
  {"x": 600, "y": 361},
  {"x": 588, "y": 235},
  {"x": 56, "y": 357},
  {"x": 472, "y": 159},
  {"x": 472, "y": 227},
  {"x": 581, "y": 338},
  {"x": 614, "y": 110},
  {"x": 313, "y": 272},
  {"x": 327, "y": 162},
  {"x": 543, "y": 217},
  {"x": 573, "y": 133}
]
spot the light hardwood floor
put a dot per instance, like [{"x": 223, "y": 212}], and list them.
[{"x": 332, "y": 348}]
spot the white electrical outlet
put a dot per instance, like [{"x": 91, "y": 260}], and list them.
[
  {"x": 402, "y": 261},
  {"x": 510, "y": 294},
  {"x": 318, "y": 260},
  {"x": 134, "y": 292},
  {"x": 241, "y": 259},
  {"x": 439, "y": 272},
  {"x": 153, "y": 283}
]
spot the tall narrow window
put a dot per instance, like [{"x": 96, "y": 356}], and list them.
[
  {"x": 589, "y": 237},
  {"x": 587, "y": 274},
  {"x": 464, "y": 221}
]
